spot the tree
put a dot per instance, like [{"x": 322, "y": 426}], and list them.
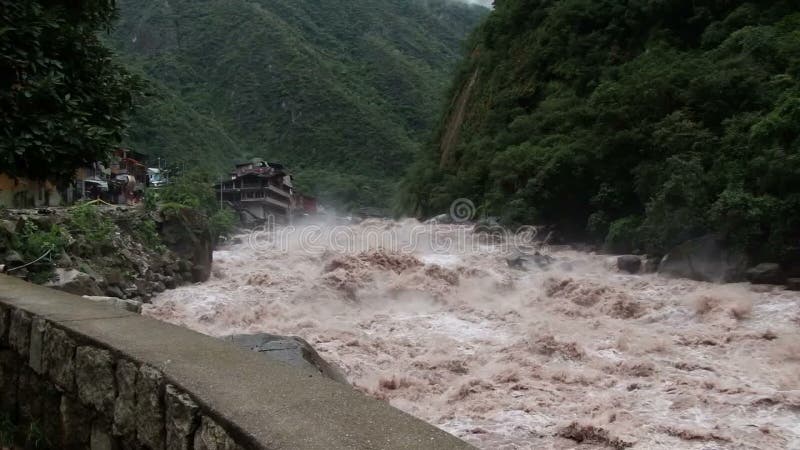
[
  {"x": 63, "y": 101},
  {"x": 636, "y": 123}
]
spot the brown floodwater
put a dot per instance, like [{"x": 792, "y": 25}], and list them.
[{"x": 575, "y": 355}]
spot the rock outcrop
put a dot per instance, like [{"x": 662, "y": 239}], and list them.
[
  {"x": 186, "y": 233},
  {"x": 766, "y": 273},
  {"x": 75, "y": 282},
  {"x": 629, "y": 263},
  {"x": 704, "y": 259},
  {"x": 291, "y": 350},
  {"x": 137, "y": 254}
]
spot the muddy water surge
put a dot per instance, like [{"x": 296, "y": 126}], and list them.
[{"x": 574, "y": 355}]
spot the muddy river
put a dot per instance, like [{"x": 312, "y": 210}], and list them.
[{"x": 570, "y": 354}]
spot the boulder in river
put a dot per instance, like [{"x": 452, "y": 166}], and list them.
[
  {"x": 766, "y": 273},
  {"x": 651, "y": 264},
  {"x": 793, "y": 284},
  {"x": 519, "y": 260},
  {"x": 705, "y": 259},
  {"x": 290, "y": 350},
  {"x": 629, "y": 263}
]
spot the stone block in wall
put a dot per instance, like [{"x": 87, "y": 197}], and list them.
[
  {"x": 58, "y": 358},
  {"x": 29, "y": 395},
  {"x": 38, "y": 403},
  {"x": 150, "y": 408},
  {"x": 211, "y": 436},
  {"x": 125, "y": 404},
  {"x": 19, "y": 333},
  {"x": 9, "y": 380},
  {"x": 36, "y": 346},
  {"x": 5, "y": 323},
  {"x": 101, "y": 438},
  {"x": 182, "y": 419},
  {"x": 94, "y": 378},
  {"x": 50, "y": 417},
  {"x": 76, "y": 424}
]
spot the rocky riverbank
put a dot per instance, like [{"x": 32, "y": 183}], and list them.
[
  {"x": 709, "y": 259},
  {"x": 101, "y": 251}
]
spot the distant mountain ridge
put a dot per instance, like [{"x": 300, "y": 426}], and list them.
[{"x": 343, "y": 92}]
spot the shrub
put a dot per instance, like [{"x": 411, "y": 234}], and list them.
[
  {"x": 86, "y": 220},
  {"x": 194, "y": 190},
  {"x": 222, "y": 222},
  {"x": 147, "y": 233},
  {"x": 623, "y": 235},
  {"x": 32, "y": 243}
]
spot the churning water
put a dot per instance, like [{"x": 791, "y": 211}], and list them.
[{"x": 574, "y": 355}]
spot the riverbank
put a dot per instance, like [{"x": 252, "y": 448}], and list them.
[{"x": 108, "y": 251}]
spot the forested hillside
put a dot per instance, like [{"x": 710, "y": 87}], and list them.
[
  {"x": 637, "y": 123},
  {"x": 340, "y": 91}
]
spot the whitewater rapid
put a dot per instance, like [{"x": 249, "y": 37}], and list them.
[{"x": 575, "y": 355}]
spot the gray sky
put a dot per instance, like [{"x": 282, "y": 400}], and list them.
[{"x": 487, "y": 3}]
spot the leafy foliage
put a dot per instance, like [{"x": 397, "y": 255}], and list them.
[
  {"x": 194, "y": 190},
  {"x": 40, "y": 248},
  {"x": 147, "y": 233},
  {"x": 7, "y": 429},
  {"x": 87, "y": 221},
  {"x": 63, "y": 100},
  {"x": 341, "y": 89},
  {"x": 33, "y": 242},
  {"x": 638, "y": 123}
]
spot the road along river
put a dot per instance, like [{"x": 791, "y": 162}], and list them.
[{"x": 574, "y": 355}]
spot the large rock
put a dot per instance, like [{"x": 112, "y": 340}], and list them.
[
  {"x": 211, "y": 436},
  {"x": 651, "y": 264},
  {"x": 187, "y": 234},
  {"x": 766, "y": 273},
  {"x": 629, "y": 263},
  {"x": 94, "y": 378},
  {"x": 182, "y": 419},
  {"x": 76, "y": 423},
  {"x": 125, "y": 403},
  {"x": 520, "y": 260},
  {"x": 291, "y": 350},
  {"x": 58, "y": 357},
  {"x": 704, "y": 259},
  {"x": 150, "y": 408},
  {"x": 75, "y": 282}
]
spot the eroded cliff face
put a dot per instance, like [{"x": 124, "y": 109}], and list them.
[
  {"x": 452, "y": 130},
  {"x": 186, "y": 233},
  {"x": 107, "y": 251}
]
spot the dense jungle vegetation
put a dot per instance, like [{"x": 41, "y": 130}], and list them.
[
  {"x": 63, "y": 99},
  {"x": 638, "y": 123},
  {"x": 342, "y": 92}
]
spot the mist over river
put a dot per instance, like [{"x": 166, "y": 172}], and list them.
[{"x": 571, "y": 355}]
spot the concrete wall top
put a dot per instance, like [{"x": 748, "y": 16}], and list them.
[{"x": 261, "y": 403}]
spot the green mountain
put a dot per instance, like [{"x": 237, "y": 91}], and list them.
[
  {"x": 635, "y": 123},
  {"x": 340, "y": 91}
]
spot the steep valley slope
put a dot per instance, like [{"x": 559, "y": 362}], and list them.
[
  {"x": 634, "y": 124},
  {"x": 341, "y": 91}
]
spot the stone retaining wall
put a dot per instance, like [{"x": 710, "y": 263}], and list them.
[
  {"x": 78, "y": 374},
  {"x": 68, "y": 392}
]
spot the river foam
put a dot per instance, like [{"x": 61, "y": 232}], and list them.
[{"x": 577, "y": 355}]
